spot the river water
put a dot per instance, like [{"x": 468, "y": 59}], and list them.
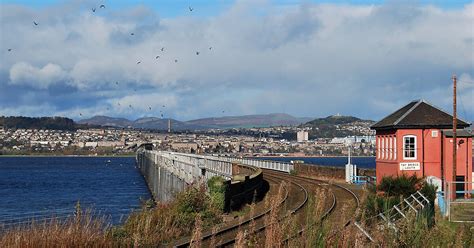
[{"x": 42, "y": 187}]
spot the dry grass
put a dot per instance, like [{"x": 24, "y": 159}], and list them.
[
  {"x": 189, "y": 213},
  {"x": 84, "y": 230},
  {"x": 412, "y": 232},
  {"x": 192, "y": 212},
  {"x": 197, "y": 233}
]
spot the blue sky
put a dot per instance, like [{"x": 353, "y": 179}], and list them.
[
  {"x": 170, "y": 8},
  {"x": 305, "y": 58}
]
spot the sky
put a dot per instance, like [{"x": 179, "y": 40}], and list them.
[{"x": 304, "y": 58}]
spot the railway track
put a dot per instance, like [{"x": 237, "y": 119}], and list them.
[
  {"x": 341, "y": 196},
  {"x": 294, "y": 200},
  {"x": 284, "y": 213}
]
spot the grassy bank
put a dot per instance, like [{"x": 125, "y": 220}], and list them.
[{"x": 194, "y": 210}]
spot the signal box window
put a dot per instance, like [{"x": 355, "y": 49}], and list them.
[{"x": 409, "y": 147}]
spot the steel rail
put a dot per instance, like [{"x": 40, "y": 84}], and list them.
[
  {"x": 233, "y": 227},
  {"x": 328, "y": 212},
  {"x": 292, "y": 212}
]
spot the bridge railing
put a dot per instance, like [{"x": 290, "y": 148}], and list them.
[
  {"x": 192, "y": 167},
  {"x": 266, "y": 164},
  {"x": 213, "y": 160}
]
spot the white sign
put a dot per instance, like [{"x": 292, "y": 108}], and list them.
[{"x": 410, "y": 166}]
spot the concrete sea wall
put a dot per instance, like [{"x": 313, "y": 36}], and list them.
[{"x": 162, "y": 183}]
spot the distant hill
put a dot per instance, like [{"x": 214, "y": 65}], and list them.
[
  {"x": 334, "y": 120},
  {"x": 206, "y": 123},
  {"x": 337, "y": 126},
  {"x": 141, "y": 123},
  {"x": 247, "y": 121},
  {"x": 54, "y": 123},
  {"x": 101, "y": 120},
  {"x": 162, "y": 124}
]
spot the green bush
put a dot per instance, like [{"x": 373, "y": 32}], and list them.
[
  {"x": 399, "y": 186},
  {"x": 168, "y": 221},
  {"x": 217, "y": 189}
]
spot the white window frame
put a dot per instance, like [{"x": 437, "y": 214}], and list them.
[
  {"x": 378, "y": 147},
  {"x": 390, "y": 140},
  {"x": 383, "y": 148},
  {"x": 395, "y": 148},
  {"x": 415, "y": 149}
]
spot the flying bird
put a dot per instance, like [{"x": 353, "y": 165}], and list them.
[
  {"x": 162, "y": 49},
  {"x": 9, "y": 49},
  {"x": 176, "y": 61},
  {"x": 190, "y": 9},
  {"x": 197, "y": 53},
  {"x": 116, "y": 83},
  {"x": 118, "y": 103},
  {"x": 36, "y": 24},
  {"x": 80, "y": 114},
  {"x": 130, "y": 105},
  {"x": 164, "y": 106},
  {"x": 161, "y": 116},
  {"x": 149, "y": 108},
  {"x": 93, "y": 10},
  {"x": 102, "y": 6},
  {"x": 157, "y": 57},
  {"x": 132, "y": 34},
  {"x": 138, "y": 62},
  {"x": 210, "y": 48}
]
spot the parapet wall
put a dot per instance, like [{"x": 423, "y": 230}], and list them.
[
  {"x": 246, "y": 186},
  {"x": 167, "y": 173},
  {"x": 331, "y": 172}
]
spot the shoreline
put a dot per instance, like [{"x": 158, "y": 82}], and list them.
[{"x": 66, "y": 156}]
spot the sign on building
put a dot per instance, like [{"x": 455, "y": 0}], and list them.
[{"x": 410, "y": 166}]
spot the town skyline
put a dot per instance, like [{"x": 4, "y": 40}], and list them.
[{"x": 312, "y": 59}]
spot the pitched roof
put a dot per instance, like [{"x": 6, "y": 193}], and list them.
[
  {"x": 418, "y": 114},
  {"x": 460, "y": 133}
]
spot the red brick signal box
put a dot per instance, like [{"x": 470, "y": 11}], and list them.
[{"x": 417, "y": 139}]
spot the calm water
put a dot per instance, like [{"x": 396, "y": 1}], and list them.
[
  {"x": 45, "y": 186},
  {"x": 361, "y": 162}
]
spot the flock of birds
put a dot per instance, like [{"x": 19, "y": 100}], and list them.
[{"x": 102, "y": 6}]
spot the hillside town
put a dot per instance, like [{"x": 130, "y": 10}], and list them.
[{"x": 254, "y": 142}]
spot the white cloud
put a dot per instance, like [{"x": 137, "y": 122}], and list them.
[
  {"x": 308, "y": 59},
  {"x": 23, "y": 73}
]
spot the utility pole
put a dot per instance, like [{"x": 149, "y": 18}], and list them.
[{"x": 455, "y": 122}]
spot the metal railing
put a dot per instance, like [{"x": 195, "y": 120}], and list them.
[
  {"x": 458, "y": 204},
  {"x": 416, "y": 203}
]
